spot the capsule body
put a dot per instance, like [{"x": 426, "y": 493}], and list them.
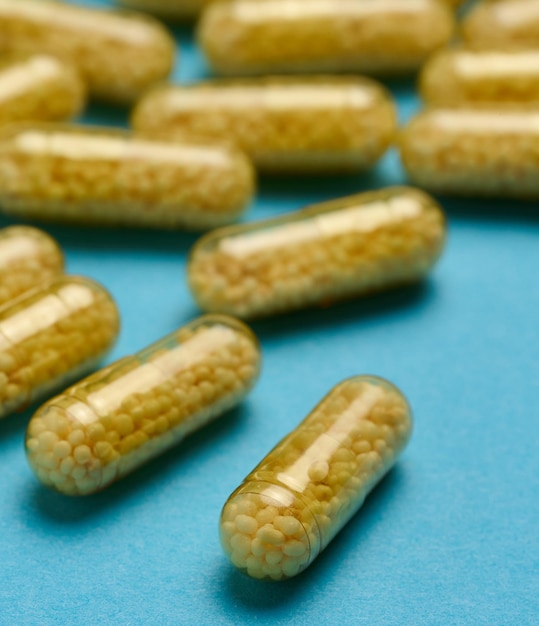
[
  {"x": 492, "y": 152},
  {"x": 283, "y": 124},
  {"x": 104, "y": 427},
  {"x": 168, "y": 9},
  {"x": 324, "y": 253},
  {"x": 29, "y": 258},
  {"x": 119, "y": 55},
  {"x": 495, "y": 23},
  {"x": 309, "y": 486},
  {"x": 51, "y": 336},
  {"x": 112, "y": 177}
]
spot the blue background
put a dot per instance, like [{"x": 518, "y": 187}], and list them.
[{"x": 451, "y": 536}]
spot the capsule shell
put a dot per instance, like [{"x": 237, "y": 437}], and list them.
[
  {"x": 299, "y": 497},
  {"x": 324, "y": 253},
  {"x": 490, "y": 152},
  {"x": 168, "y": 9},
  {"x": 283, "y": 124},
  {"x": 104, "y": 427},
  {"x": 29, "y": 258},
  {"x": 112, "y": 177},
  {"x": 51, "y": 336},
  {"x": 119, "y": 55},
  {"x": 370, "y": 37}
]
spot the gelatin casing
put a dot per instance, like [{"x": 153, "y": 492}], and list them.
[
  {"x": 119, "y": 55},
  {"x": 480, "y": 151},
  {"x": 51, "y": 336},
  {"x": 285, "y": 124},
  {"x": 324, "y": 253},
  {"x": 168, "y": 9},
  {"x": 106, "y": 426},
  {"x": 310, "y": 485},
  {"x": 107, "y": 176},
  {"x": 29, "y": 258},
  {"x": 378, "y": 37}
]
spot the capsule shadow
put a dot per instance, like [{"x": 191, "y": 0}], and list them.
[
  {"x": 490, "y": 209},
  {"x": 104, "y": 114},
  {"x": 14, "y": 425}
]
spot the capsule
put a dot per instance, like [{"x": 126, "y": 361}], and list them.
[
  {"x": 311, "y": 484},
  {"x": 378, "y": 37},
  {"x": 327, "y": 252},
  {"x": 119, "y": 55},
  {"x": 490, "y": 152},
  {"x": 106, "y": 426},
  {"x": 113, "y": 177},
  {"x": 51, "y": 336},
  {"x": 284, "y": 124},
  {"x": 29, "y": 258},
  {"x": 168, "y": 9}
]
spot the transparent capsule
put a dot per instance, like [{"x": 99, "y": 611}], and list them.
[
  {"x": 104, "y": 427},
  {"x": 29, "y": 258},
  {"x": 52, "y": 336},
  {"x": 309, "y": 486},
  {"x": 493, "y": 152},
  {"x": 283, "y": 124},
  {"x": 119, "y": 55},
  {"x": 324, "y": 253},
  {"x": 168, "y": 9},
  {"x": 371, "y": 37},
  {"x": 108, "y": 176}
]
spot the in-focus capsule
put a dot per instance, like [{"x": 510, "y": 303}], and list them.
[
  {"x": 283, "y": 124},
  {"x": 168, "y": 9},
  {"x": 492, "y": 152},
  {"x": 370, "y": 37},
  {"x": 29, "y": 258},
  {"x": 112, "y": 177},
  {"x": 52, "y": 336},
  {"x": 299, "y": 497},
  {"x": 119, "y": 55},
  {"x": 324, "y": 253},
  {"x": 104, "y": 427}
]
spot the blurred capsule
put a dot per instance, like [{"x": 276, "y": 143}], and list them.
[
  {"x": 168, "y": 9},
  {"x": 502, "y": 22}
]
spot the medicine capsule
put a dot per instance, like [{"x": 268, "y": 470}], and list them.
[
  {"x": 492, "y": 152},
  {"x": 29, "y": 258},
  {"x": 481, "y": 76},
  {"x": 371, "y": 37},
  {"x": 168, "y": 9},
  {"x": 283, "y": 124},
  {"x": 112, "y": 177},
  {"x": 327, "y": 252},
  {"x": 104, "y": 427},
  {"x": 52, "y": 336},
  {"x": 119, "y": 55},
  {"x": 310, "y": 485}
]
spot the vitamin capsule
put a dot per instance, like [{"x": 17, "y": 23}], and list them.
[
  {"x": 111, "y": 423},
  {"x": 370, "y": 37},
  {"x": 39, "y": 87},
  {"x": 111, "y": 177},
  {"x": 28, "y": 258},
  {"x": 119, "y": 55},
  {"x": 310, "y": 485},
  {"x": 327, "y": 252},
  {"x": 474, "y": 152},
  {"x": 481, "y": 76},
  {"x": 51, "y": 336},
  {"x": 168, "y": 9},
  {"x": 283, "y": 124}
]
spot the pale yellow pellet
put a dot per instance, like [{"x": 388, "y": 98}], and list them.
[
  {"x": 96, "y": 435},
  {"x": 285, "y": 124},
  {"x": 371, "y": 37},
  {"x": 168, "y": 9},
  {"x": 107, "y": 176},
  {"x": 328, "y": 252},
  {"x": 299, "y": 519}
]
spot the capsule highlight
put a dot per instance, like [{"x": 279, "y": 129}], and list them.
[
  {"x": 168, "y": 9},
  {"x": 119, "y": 55},
  {"x": 29, "y": 258},
  {"x": 325, "y": 253},
  {"x": 104, "y": 427},
  {"x": 111, "y": 177},
  {"x": 483, "y": 152},
  {"x": 286, "y": 124},
  {"x": 50, "y": 337},
  {"x": 310, "y": 485}
]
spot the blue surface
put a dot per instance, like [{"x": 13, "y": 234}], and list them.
[{"x": 451, "y": 536}]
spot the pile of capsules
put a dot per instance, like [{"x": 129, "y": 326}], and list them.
[{"x": 189, "y": 162}]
